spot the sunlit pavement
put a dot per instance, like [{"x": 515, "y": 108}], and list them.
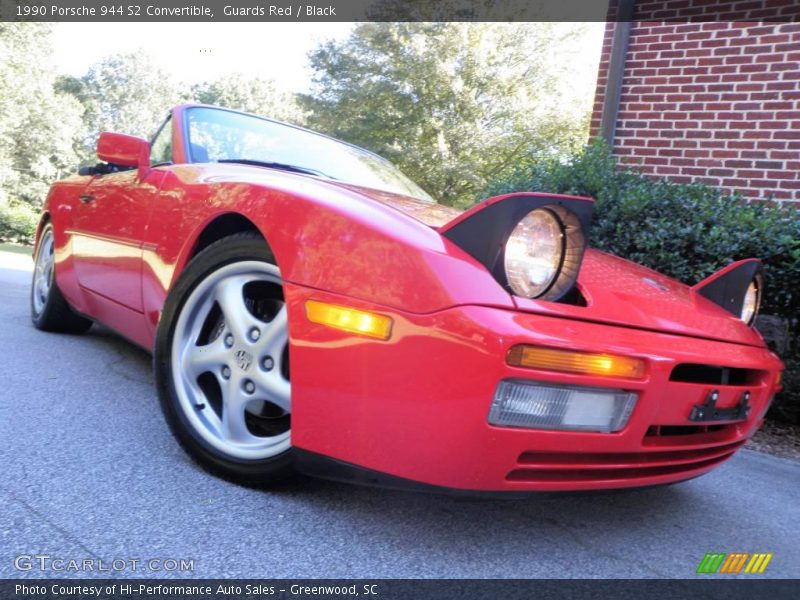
[{"x": 89, "y": 471}]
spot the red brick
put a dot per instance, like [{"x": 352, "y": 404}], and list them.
[
  {"x": 696, "y": 153},
  {"x": 784, "y": 67},
  {"x": 731, "y": 116},
  {"x": 758, "y": 115},
  {"x": 773, "y": 125},
  {"x": 753, "y": 154},
  {"x": 727, "y": 135},
  {"x": 720, "y": 172},
  {"x": 769, "y": 58},
  {"x": 768, "y": 164},
  {"x": 757, "y": 135},
  {"x": 731, "y": 97},
  {"x": 782, "y": 175},
  {"x": 750, "y": 173},
  {"x": 753, "y": 68},
  {"x": 775, "y": 39},
  {"x": 727, "y": 51},
  {"x": 738, "y": 164},
  {"x": 734, "y": 182},
  {"x": 738, "y": 144},
  {"x": 695, "y": 171}
]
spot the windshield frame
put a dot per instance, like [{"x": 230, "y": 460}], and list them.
[{"x": 187, "y": 145}]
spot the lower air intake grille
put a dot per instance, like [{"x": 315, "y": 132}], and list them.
[
  {"x": 714, "y": 375},
  {"x": 567, "y": 466}
]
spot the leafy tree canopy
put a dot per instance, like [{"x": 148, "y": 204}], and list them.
[
  {"x": 256, "y": 95},
  {"x": 126, "y": 93},
  {"x": 454, "y": 105},
  {"x": 38, "y": 124}
]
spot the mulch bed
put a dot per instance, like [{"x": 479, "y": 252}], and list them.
[{"x": 777, "y": 438}]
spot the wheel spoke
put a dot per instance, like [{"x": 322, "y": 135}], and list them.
[
  {"x": 234, "y": 426},
  {"x": 230, "y": 297},
  {"x": 210, "y": 357},
  {"x": 275, "y": 336},
  {"x": 273, "y": 387}
]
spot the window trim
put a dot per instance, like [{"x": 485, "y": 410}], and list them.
[{"x": 167, "y": 122}]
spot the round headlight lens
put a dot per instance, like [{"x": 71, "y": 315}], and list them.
[
  {"x": 750, "y": 305},
  {"x": 534, "y": 253}
]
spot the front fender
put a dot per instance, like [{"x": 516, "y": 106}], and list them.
[
  {"x": 349, "y": 245},
  {"x": 323, "y": 236}
]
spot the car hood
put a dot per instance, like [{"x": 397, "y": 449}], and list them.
[
  {"x": 620, "y": 292},
  {"x": 617, "y": 291},
  {"x": 430, "y": 213}
]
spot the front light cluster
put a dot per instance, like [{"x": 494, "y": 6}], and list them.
[
  {"x": 534, "y": 252},
  {"x": 542, "y": 255},
  {"x": 737, "y": 288},
  {"x": 539, "y": 405},
  {"x": 532, "y": 244},
  {"x": 752, "y": 298}
]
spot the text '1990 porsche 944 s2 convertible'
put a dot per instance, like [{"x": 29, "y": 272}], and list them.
[{"x": 311, "y": 309}]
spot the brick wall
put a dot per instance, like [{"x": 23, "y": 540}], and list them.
[{"x": 712, "y": 101}]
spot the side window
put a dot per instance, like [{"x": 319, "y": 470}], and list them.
[{"x": 161, "y": 146}]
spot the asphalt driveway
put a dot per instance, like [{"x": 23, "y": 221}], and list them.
[{"x": 89, "y": 471}]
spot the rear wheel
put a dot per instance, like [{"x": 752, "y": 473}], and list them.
[
  {"x": 222, "y": 362},
  {"x": 50, "y": 311}
]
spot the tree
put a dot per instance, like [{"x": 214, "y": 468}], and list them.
[
  {"x": 452, "y": 104},
  {"x": 250, "y": 94},
  {"x": 127, "y": 93},
  {"x": 37, "y": 124}
]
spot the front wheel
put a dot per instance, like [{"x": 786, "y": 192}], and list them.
[{"x": 222, "y": 362}]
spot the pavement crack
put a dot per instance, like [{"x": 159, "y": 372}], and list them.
[
  {"x": 119, "y": 361},
  {"x": 64, "y": 532}
]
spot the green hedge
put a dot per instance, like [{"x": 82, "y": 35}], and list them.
[
  {"x": 18, "y": 223},
  {"x": 685, "y": 231}
]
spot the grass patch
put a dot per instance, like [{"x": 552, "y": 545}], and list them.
[{"x": 16, "y": 249}]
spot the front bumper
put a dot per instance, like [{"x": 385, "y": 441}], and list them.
[{"x": 415, "y": 407}]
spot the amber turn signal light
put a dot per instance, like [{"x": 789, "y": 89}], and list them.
[
  {"x": 348, "y": 319},
  {"x": 584, "y": 363}
]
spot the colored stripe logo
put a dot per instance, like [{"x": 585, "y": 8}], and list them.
[{"x": 734, "y": 563}]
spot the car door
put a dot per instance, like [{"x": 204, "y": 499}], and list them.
[{"x": 109, "y": 230}]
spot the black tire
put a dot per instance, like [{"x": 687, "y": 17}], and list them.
[
  {"x": 248, "y": 246},
  {"x": 52, "y": 312}
]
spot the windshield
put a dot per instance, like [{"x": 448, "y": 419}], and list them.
[{"x": 219, "y": 136}]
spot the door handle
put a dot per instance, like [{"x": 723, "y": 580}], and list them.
[{"x": 87, "y": 198}]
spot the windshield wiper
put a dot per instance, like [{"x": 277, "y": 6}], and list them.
[{"x": 274, "y": 165}]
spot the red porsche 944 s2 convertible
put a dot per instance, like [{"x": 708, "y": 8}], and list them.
[{"x": 311, "y": 309}]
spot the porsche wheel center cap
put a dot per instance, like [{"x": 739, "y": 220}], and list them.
[{"x": 243, "y": 359}]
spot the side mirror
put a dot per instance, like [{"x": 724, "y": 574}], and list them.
[{"x": 124, "y": 150}]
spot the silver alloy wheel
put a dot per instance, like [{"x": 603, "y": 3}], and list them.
[
  {"x": 43, "y": 272},
  {"x": 230, "y": 364}
]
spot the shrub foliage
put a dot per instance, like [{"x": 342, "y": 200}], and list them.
[{"x": 18, "y": 223}]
